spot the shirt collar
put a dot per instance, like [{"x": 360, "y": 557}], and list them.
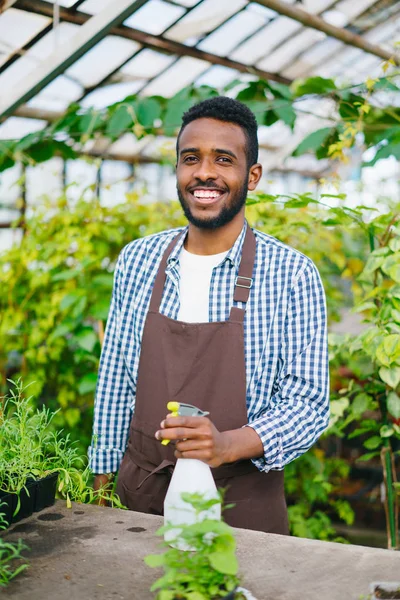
[{"x": 234, "y": 254}]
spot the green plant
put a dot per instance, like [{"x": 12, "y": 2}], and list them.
[
  {"x": 9, "y": 552},
  {"x": 210, "y": 571},
  {"x": 356, "y": 114},
  {"x": 31, "y": 449},
  {"x": 56, "y": 293}
]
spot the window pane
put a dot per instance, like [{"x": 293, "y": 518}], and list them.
[
  {"x": 92, "y": 7},
  {"x": 268, "y": 38},
  {"x": 57, "y": 95},
  {"x": 154, "y": 17},
  {"x": 102, "y": 59},
  {"x": 285, "y": 53},
  {"x": 17, "y": 28},
  {"x": 44, "y": 179},
  {"x": 18, "y": 127},
  {"x": 181, "y": 74},
  {"x": 36, "y": 55},
  {"x": 103, "y": 96},
  {"x": 204, "y": 18},
  {"x": 217, "y": 77},
  {"x": 229, "y": 35},
  {"x": 147, "y": 64}
]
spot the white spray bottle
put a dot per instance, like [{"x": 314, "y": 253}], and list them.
[{"x": 192, "y": 476}]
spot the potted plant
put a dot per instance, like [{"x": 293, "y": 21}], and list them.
[
  {"x": 31, "y": 456},
  {"x": 209, "y": 571}
]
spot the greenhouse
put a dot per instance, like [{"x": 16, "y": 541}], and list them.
[{"x": 200, "y": 299}]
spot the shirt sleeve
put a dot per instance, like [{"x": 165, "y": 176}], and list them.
[
  {"x": 298, "y": 411},
  {"x": 115, "y": 392}
]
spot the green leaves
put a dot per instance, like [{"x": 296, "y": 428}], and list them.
[
  {"x": 373, "y": 442},
  {"x": 388, "y": 351},
  {"x": 393, "y": 405},
  {"x": 313, "y": 141},
  {"x": 314, "y": 85},
  {"x": 224, "y": 562},
  {"x": 86, "y": 339},
  {"x": 391, "y": 376}
]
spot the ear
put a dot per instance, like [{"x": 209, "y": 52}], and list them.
[{"x": 254, "y": 176}]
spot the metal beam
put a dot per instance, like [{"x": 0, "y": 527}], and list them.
[
  {"x": 155, "y": 42},
  {"x": 315, "y": 22},
  {"x": 88, "y": 36}
]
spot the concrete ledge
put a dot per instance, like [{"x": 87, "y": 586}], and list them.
[{"x": 94, "y": 553}]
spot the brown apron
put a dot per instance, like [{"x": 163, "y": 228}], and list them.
[{"x": 201, "y": 364}]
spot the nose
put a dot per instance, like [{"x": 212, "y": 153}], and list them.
[{"x": 205, "y": 169}]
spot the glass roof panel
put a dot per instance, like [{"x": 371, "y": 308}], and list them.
[
  {"x": 179, "y": 75},
  {"x": 57, "y": 95},
  {"x": 217, "y": 77},
  {"x": 232, "y": 33},
  {"x": 92, "y": 7},
  {"x": 187, "y": 3},
  {"x": 155, "y": 16},
  {"x": 35, "y": 55},
  {"x": 352, "y": 9},
  {"x": 311, "y": 58},
  {"x": 66, "y": 3},
  {"x": 17, "y": 28},
  {"x": 103, "y": 96},
  {"x": 289, "y": 50},
  {"x": 18, "y": 127},
  {"x": 204, "y": 18},
  {"x": 102, "y": 59},
  {"x": 146, "y": 64},
  {"x": 265, "y": 40},
  {"x": 263, "y": 11}
]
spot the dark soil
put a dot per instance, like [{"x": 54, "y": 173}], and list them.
[{"x": 380, "y": 592}]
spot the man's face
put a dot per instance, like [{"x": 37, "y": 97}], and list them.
[{"x": 212, "y": 173}]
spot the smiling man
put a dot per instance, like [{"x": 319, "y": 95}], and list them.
[{"x": 220, "y": 316}]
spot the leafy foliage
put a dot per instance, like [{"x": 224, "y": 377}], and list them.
[
  {"x": 356, "y": 113},
  {"x": 30, "y": 448},
  {"x": 209, "y": 571},
  {"x": 10, "y": 552}
]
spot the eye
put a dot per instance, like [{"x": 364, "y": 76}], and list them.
[
  {"x": 224, "y": 159},
  {"x": 189, "y": 159}
]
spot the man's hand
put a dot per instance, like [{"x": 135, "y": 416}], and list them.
[
  {"x": 197, "y": 437},
  {"x": 103, "y": 483}
]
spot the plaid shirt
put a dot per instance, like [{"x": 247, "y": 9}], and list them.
[{"x": 285, "y": 344}]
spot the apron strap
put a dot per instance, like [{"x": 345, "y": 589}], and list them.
[
  {"x": 159, "y": 283},
  {"x": 243, "y": 281}
]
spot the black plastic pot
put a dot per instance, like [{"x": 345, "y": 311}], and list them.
[
  {"x": 27, "y": 497},
  {"x": 37, "y": 495},
  {"x": 45, "y": 492},
  {"x": 8, "y": 503}
]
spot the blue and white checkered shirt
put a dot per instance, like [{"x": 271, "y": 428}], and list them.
[{"x": 285, "y": 344}]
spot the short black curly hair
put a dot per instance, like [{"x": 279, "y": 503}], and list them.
[{"x": 229, "y": 110}]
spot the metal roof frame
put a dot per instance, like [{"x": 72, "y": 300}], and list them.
[{"x": 89, "y": 34}]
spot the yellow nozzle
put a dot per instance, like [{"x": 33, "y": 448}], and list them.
[{"x": 174, "y": 408}]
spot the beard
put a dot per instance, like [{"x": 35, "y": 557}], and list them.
[{"x": 226, "y": 214}]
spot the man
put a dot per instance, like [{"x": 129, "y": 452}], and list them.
[{"x": 219, "y": 316}]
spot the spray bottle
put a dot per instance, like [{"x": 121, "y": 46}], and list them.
[{"x": 191, "y": 476}]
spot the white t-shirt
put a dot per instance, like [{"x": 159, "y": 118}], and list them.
[{"x": 195, "y": 280}]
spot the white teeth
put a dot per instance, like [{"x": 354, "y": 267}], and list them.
[{"x": 206, "y": 193}]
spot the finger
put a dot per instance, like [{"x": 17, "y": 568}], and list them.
[
  {"x": 198, "y": 454},
  {"x": 190, "y": 422},
  {"x": 193, "y": 444},
  {"x": 177, "y": 433}
]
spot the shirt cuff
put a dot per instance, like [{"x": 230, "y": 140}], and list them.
[
  {"x": 273, "y": 451},
  {"x": 104, "y": 460}
]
